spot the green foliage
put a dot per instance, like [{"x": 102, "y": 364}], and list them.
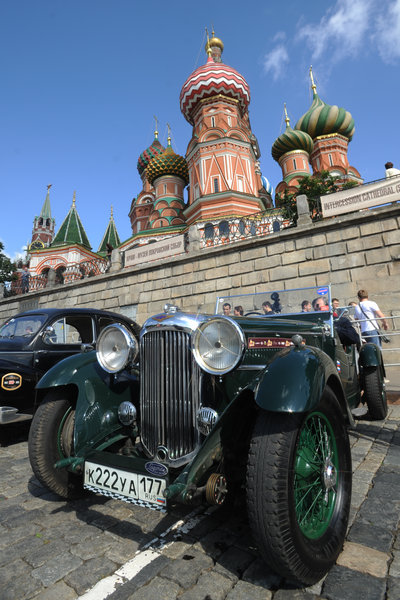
[
  {"x": 7, "y": 267},
  {"x": 313, "y": 187}
]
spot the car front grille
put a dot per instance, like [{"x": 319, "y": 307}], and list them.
[{"x": 169, "y": 396}]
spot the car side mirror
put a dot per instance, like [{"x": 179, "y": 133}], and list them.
[
  {"x": 87, "y": 347},
  {"x": 49, "y": 335}
]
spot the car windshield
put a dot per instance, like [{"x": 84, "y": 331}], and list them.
[
  {"x": 273, "y": 303},
  {"x": 24, "y": 326}
]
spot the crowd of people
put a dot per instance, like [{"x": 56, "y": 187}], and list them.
[{"x": 366, "y": 311}]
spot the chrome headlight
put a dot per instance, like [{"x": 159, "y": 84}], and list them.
[
  {"x": 218, "y": 345},
  {"x": 116, "y": 348}
]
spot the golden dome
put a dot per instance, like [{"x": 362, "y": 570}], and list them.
[{"x": 214, "y": 41}]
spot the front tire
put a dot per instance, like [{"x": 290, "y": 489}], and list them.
[
  {"x": 50, "y": 440},
  {"x": 299, "y": 489},
  {"x": 375, "y": 393}
]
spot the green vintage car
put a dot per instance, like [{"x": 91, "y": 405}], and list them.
[{"x": 253, "y": 396}]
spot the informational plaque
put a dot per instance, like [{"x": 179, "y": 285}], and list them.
[
  {"x": 155, "y": 251},
  {"x": 360, "y": 197}
]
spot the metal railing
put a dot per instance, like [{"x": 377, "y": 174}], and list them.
[
  {"x": 67, "y": 274},
  {"x": 226, "y": 231},
  {"x": 393, "y": 335}
]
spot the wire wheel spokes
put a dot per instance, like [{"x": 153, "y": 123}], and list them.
[{"x": 315, "y": 475}]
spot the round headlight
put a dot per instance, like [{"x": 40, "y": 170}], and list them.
[
  {"x": 218, "y": 345},
  {"x": 116, "y": 347}
]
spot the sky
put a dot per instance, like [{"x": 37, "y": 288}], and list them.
[{"x": 81, "y": 82}]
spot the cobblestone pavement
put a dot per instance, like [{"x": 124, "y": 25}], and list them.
[{"x": 98, "y": 548}]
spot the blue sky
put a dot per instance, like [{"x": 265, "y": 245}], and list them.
[{"x": 81, "y": 81}]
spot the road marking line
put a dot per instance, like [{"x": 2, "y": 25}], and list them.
[{"x": 107, "y": 586}]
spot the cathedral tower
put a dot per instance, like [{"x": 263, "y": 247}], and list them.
[
  {"x": 292, "y": 151},
  {"x": 331, "y": 129},
  {"x": 142, "y": 205},
  {"x": 43, "y": 226},
  {"x": 223, "y": 153}
]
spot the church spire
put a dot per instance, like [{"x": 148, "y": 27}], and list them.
[
  {"x": 43, "y": 226},
  {"x": 313, "y": 86},
  {"x": 45, "y": 213},
  {"x": 110, "y": 237},
  {"x": 72, "y": 230}
]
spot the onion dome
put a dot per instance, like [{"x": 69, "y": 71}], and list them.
[
  {"x": 291, "y": 139},
  {"x": 323, "y": 119},
  {"x": 214, "y": 42},
  {"x": 212, "y": 79},
  {"x": 167, "y": 163},
  {"x": 266, "y": 185},
  {"x": 148, "y": 154}
]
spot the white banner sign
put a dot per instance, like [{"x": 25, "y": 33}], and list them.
[
  {"x": 155, "y": 251},
  {"x": 364, "y": 196}
]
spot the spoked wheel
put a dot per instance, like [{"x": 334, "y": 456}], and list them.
[
  {"x": 375, "y": 393},
  {"x": 299, "y": 489},
  {"x": 50, "y": 440}
]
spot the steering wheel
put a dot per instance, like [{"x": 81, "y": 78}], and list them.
[{"x": 253, "y": 312}]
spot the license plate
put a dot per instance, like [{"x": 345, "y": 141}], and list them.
[{"x": 136, "y": 487}]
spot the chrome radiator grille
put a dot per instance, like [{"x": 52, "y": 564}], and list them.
[{"x": 169, "y": 395}]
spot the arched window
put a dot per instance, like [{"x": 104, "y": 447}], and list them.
[
  {"x": 60, "y": 274},
  {"x": 242, "y": 227},
  {"x": 209, "y": 231},
  {"x": 223, "y": 228},
  {"x": 276, "y": 226}
]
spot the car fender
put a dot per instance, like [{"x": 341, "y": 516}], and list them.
[
  {"x": 294, "y": 381},
  {"x": 98, "y": 395},
  {"x": 67, "y": 371},
  {"x": 370, "y": 356}
]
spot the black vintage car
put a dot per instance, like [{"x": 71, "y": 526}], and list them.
[
  {"x": 34, "y": 341},
  {"x": 218, "y": 403}
]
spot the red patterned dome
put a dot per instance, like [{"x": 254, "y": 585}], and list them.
[
  {"x": 209, "y": 80},
  {"x": 148, "y": 154}
]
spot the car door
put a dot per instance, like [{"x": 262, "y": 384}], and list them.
[{"x": 63, "y": 337}]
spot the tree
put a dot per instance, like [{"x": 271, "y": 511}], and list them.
[
  {"x": 313, "y": 186},
  {"x": 7, "y": 267}
]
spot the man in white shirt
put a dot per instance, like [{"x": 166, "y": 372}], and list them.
[
  {"x": 366, "y": 312},
  {"x": 390, "y": 170}
]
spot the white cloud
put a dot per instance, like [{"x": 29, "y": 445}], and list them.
[
  {"x": 275, "y": 61},
  {"x": 280, "y": 36},
  {"x": 387, "y": 34},
  {"x": 341, "y": 31}
]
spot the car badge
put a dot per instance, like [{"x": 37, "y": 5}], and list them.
[
  {"x": 156, "y": 469},
  {"x": 11, "y": 381},
  {"x": 338, "y": 367},
  {"x": 162, "y": 317}
]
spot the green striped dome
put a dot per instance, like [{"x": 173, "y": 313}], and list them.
[
  {"x": 167, "y": 163},
  {"x": 322, "y": 119},
  {"x": 291, "y": 140}
]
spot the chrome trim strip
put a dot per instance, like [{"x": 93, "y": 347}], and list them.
[{"x": 251, "y": 367}]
